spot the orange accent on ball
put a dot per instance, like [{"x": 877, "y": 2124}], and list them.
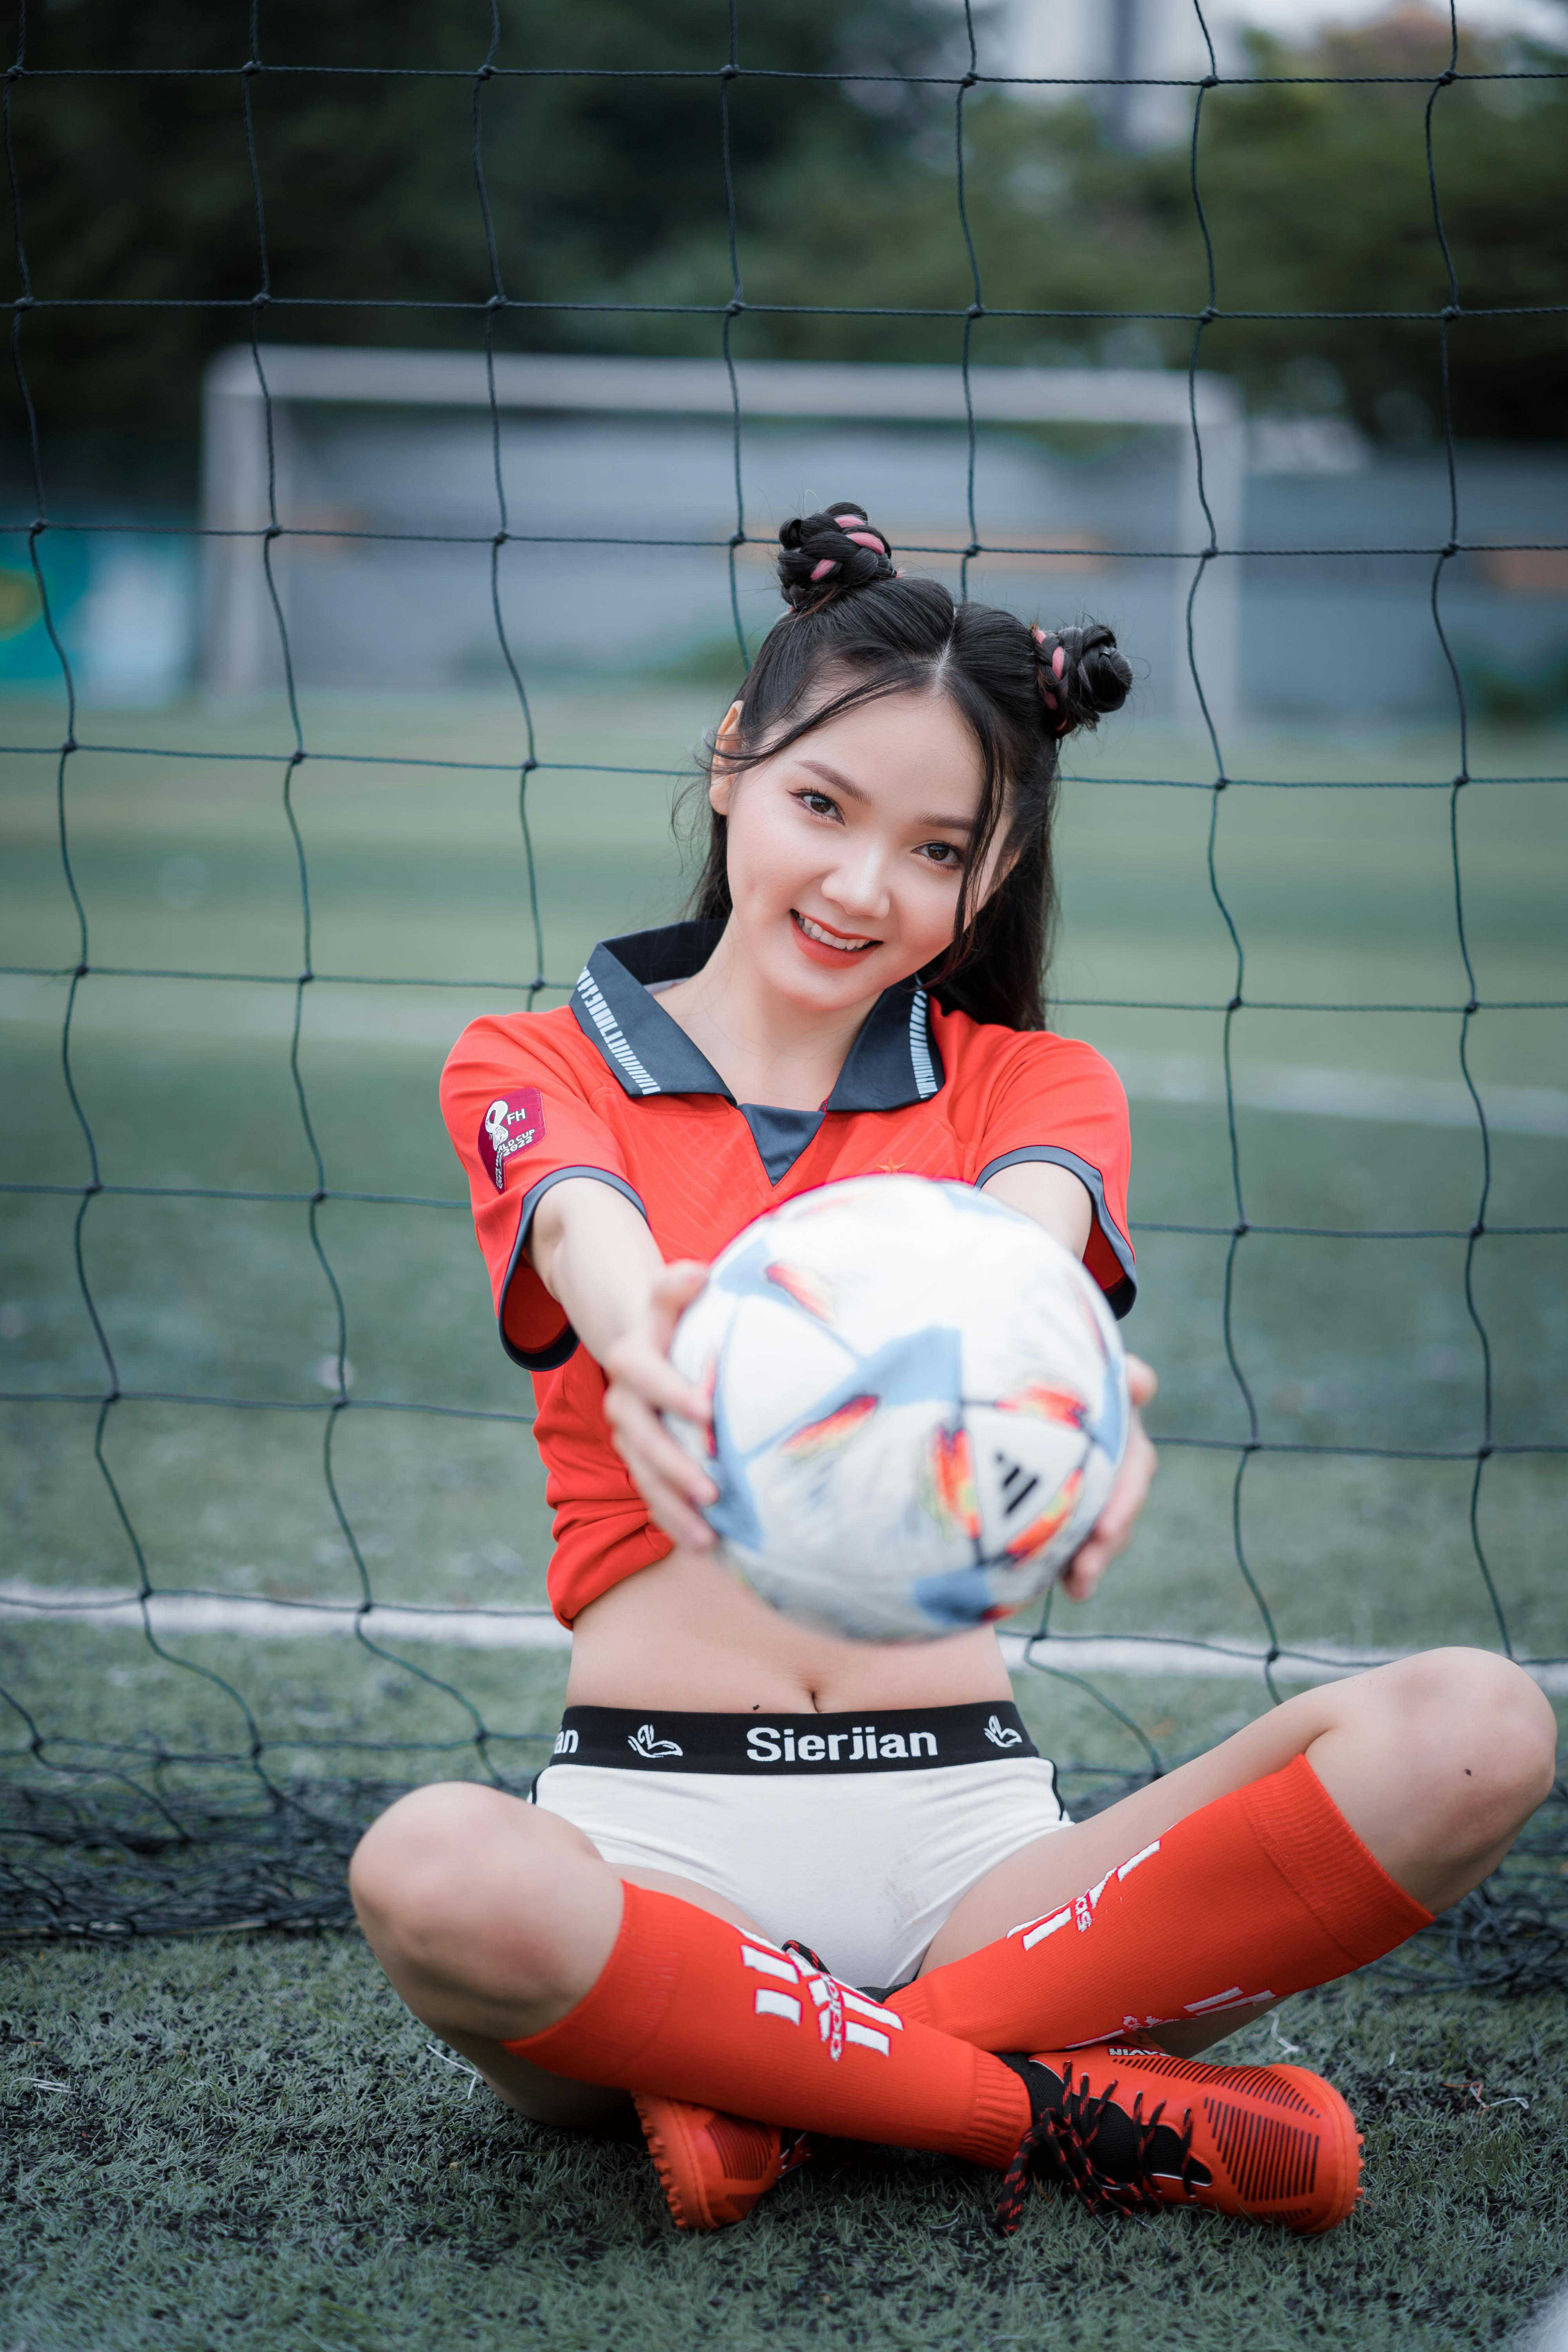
[
  {"x": 1047, "y": 1404},
  {"x": 804, "y": 1289},
  {"x": 953, "y": 1489},
  {"x": 832, "y": 1430}
]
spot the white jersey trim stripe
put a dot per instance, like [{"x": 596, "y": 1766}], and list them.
[
  {"x": 610, "y": 1030},
  {"x": 919, "y": 1046}
]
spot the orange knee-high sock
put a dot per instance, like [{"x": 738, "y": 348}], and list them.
[
  {"x": 1258, "y": 1895},
  {"x": 689, "y": 2007}
]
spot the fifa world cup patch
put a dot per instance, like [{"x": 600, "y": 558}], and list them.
[{"x": 511, "y": 1124}]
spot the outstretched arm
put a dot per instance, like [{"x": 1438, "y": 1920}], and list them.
[
  {"x": 594, "y": 1254},
  {"x": 1054, "y": 1197}
]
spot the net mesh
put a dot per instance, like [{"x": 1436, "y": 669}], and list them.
[{"x": 107, "y": 1837}]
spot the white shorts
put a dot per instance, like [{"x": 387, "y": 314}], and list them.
[{"x": 856, "y": 1835}]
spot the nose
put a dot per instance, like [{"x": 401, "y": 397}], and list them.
[{"x": 858, "y": 885}]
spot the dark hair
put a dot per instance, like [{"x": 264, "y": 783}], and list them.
[{"x": 853, "y": 618}]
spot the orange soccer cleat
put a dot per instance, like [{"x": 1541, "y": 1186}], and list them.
[
  {"x": 1130, "y": 2129},
  {"x": 713, "y": 2168}
]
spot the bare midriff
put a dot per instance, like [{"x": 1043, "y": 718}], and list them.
[{"x": 687, "y": 1635}]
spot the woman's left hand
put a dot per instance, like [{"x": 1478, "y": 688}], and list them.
[{"x": 1113, "y": 1528}]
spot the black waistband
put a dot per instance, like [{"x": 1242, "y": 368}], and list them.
[{"x": 766, "y": 1743}]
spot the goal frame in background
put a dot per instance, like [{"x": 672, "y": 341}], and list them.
[{"x": 249, "y": 475}]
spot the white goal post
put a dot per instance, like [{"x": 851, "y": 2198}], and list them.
[{"x": 240, "y": 636}]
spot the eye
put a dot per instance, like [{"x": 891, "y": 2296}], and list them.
[
  {"x": 816, "y": 803},
  {"x": 943, "y": 856}
]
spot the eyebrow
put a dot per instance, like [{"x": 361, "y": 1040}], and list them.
[{"x": 842, "y": 783}]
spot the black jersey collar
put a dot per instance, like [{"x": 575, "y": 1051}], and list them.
[{"x": 893, "y": 1061}]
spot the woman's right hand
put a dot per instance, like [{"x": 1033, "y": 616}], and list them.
[{"x": 642, "y": 1385}]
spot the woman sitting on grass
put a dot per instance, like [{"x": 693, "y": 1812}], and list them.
[{"x": 900, "y": 1937}]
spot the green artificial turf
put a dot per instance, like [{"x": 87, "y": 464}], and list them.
[{"x": 249, "y": 2143}]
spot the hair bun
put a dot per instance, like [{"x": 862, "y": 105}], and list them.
[
  {"x": 822, "y": 555},
  {"x": 1081, "y": 676}
]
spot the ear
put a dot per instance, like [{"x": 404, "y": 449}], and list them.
[{"x": 721, "y": 783}]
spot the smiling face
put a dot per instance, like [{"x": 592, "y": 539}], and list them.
[{"x": 847, "y": 849}]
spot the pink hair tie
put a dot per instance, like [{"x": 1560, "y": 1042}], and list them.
[
  {"x": 866, "y": 539},
  {"x": 1050, "y": 699},
  {"x": 1059, "y": 661},
  {"x": 821, "y": 569}
]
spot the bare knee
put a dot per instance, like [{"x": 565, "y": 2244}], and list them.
[
  {"x": 407, "y": 1866},
  {"x": 1477, "y": 1726},
  {"x": 481, "y": 1908}
]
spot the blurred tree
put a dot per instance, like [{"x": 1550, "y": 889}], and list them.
[
  {"x": 1317, "y": 199},
  {"x": 135, "y": 186},
  {"x": 606, "y": 186}
]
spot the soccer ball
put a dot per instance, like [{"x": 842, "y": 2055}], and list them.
[{"x": 919, "y": 1402}]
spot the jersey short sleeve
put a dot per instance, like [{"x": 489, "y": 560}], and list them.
[
  {"x": 1056, "y": 1099},
  {"x": 518, "y": 1105}
]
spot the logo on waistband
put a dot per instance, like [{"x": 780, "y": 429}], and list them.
[
  {"x": 768, "y": 1743},
  {"x": 565, "y": 1743},
  {"x": 644, "y": 1743},
  {"x": 1003, "y": 1738}
]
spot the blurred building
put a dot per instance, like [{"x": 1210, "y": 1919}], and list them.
[
  {"x": 617, "y": 554},
  {"x": 621, "y": 503}
]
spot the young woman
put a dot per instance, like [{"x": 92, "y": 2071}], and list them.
[{"x": 861, "y": 991}]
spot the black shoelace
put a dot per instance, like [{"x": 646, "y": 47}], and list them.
[{"x": 1059, "y": 2147}]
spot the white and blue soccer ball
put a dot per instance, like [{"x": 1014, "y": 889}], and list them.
[{"x": 920, "y": 1402}]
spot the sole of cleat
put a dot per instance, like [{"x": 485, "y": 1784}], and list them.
[{"x": 712, "y": 2167}]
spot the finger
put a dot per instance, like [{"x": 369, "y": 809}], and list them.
[
  {"x": 673, "y": 1292},
  {"x": 1109, "y": 1536},
  {"x": 674, "y": 1516},
  {"x": 1143, "y": 1381},
  {"x": 639, "y": 1432},
  {"x": 673, "y": 1508},
  {"x": 643, "y": 1443},
  {"x": 1130, "y": 1487},
  {"x": 1113, "y": 1528},
  {"x": 1088, "y": 1566},
  {"x": 659, "y": 1386},
  {"x": 683, "y": 1276},
  {"x": 638, "y": 1368}
]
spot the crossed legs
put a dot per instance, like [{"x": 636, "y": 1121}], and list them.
[{"x": 494, "y": 1919}]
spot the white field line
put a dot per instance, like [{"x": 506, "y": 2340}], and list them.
[
  {"x": 339, "y": 1015},
  {"x": 1345, "y": 1094},
  {"x": 172, "y": 1615}
]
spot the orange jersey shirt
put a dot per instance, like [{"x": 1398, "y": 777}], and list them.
[{"x": 609, "y": 1086}]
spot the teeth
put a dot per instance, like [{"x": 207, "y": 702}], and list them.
[{"x": 814, "y": 932}]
